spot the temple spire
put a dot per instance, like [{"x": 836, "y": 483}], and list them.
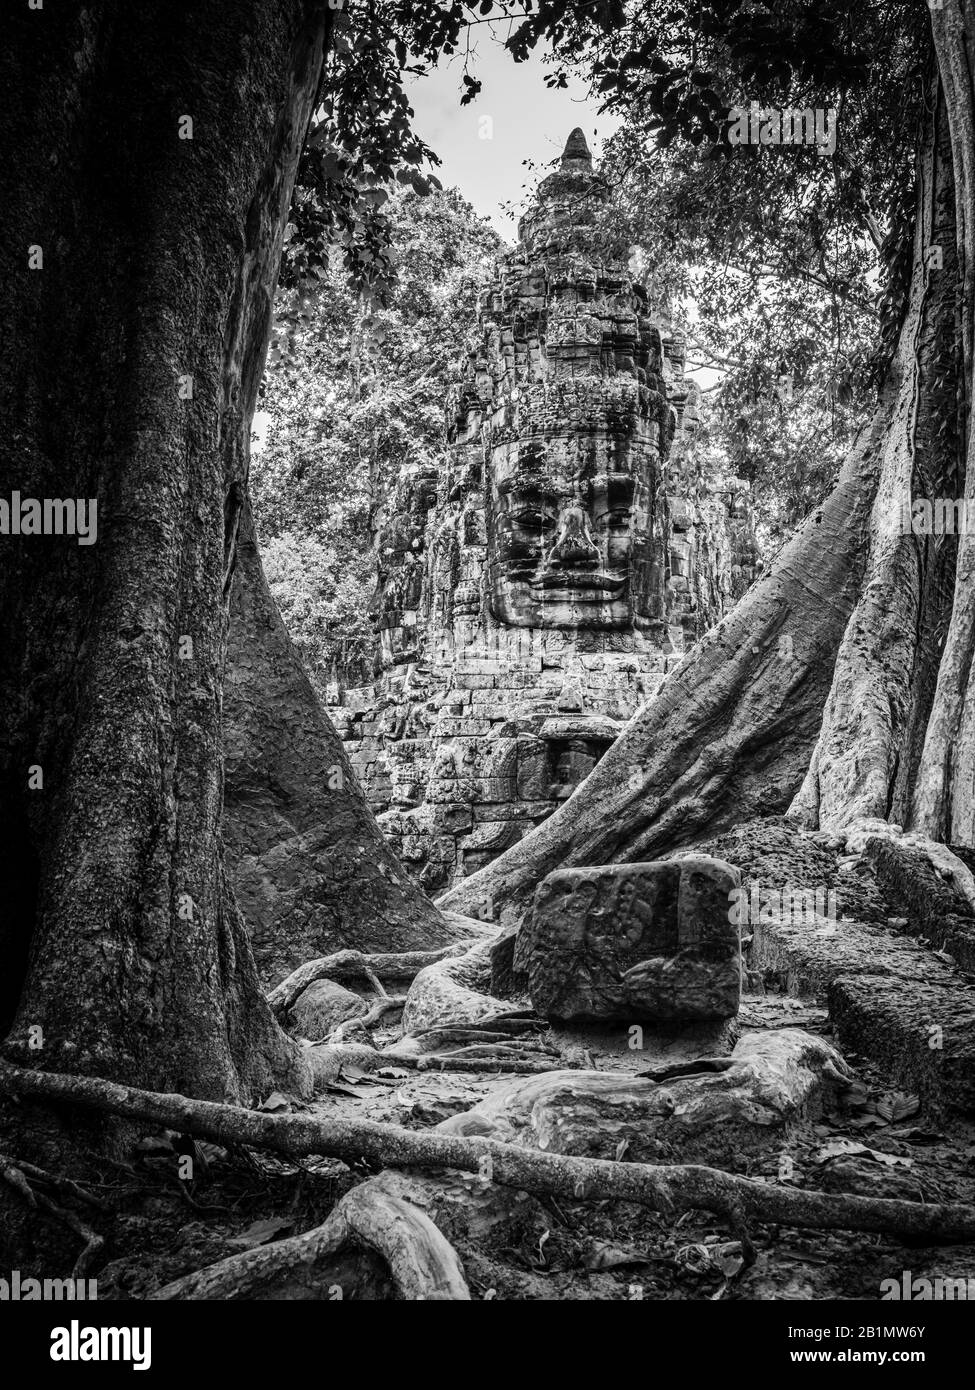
[{"x": 576, "y": 154}]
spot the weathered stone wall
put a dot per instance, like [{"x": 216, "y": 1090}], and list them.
[{"x": 532, "y": 596}]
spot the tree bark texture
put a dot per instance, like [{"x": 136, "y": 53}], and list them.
[{"x": 129, "y": 365}]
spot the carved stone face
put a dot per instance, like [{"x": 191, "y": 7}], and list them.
[{"x": 560, "y": 538}]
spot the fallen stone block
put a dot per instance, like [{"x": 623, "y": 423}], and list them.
[
  {"x": 890, "y": 999},
  {"x": 504, "y": 981},
  {"x": 805, "y": 955},
  {"x": 650, "y": 942},
  {"x": 935, "y": 908},
  {"x": 922, "y": 1034}
]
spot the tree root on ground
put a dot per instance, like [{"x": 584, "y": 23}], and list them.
[
  {"x": 507, "y": 1026},
  {"x": 379, "y": 1007},
  {"x": 858, "y": 833},
  {"x": 502, "y": 1051},
  {"x": 703, "y": 1066},
  {"x": 421, "y": 1261},
  {"x": 433, "y": 1061},
  {"x": 667, "y": 1188},
  {"x": 356, "y": 965},
  {"x": 16, "y": 1174},
  {"x": 453, "y": 1036}
]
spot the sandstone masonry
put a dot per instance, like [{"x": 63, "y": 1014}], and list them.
[{"x": 534, "y": 592}]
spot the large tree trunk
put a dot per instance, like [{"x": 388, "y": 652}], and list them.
[
  {"x": 849, "y": 618},
  {"x": 312, "y": 870},
  {"x": 943, "y": 805},
  {"x": 866, "y": 760},
  {"x": 123, "y": 951}
]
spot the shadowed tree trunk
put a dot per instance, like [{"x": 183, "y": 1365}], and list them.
[
  {"x": 312, "y": 871},
  {"x": 816, "y": 691},
  {"x": 943, "y": 802},
  {"x": 129, "y": 361}
]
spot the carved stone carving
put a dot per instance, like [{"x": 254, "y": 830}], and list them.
[
  {"x": 638, "y": 943},
  {"x": 533, "y": 594}
]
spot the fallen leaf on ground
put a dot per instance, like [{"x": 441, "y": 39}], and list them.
[
  {"x": 897, "y": 1105},
  {"x": 598, "y": 1254},
  {"x": 275, "y": 1101}
]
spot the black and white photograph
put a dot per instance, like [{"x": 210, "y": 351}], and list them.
[{"x": 487, "y": 675}]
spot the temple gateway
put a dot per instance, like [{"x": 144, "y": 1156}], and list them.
[{"x": 535, "y": 590}]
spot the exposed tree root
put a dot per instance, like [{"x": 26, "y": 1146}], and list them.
[
  {"x": 423, "y": 1264},
  {"x": 447, "y": 1062},
  {"x": 384, "y": 1005},
  {"x": 14, "y": 1173},
  {"x": 74, "y": 1189},
  {"x": 432, "y": 1038},
  {"x": 699, "y": 1066},
  {"x": 356, "y": 965},
  {"x": 664, "y": 1188},
  {"x": 499, "y": 1026},
  {"x": 945, "y": 863},
  {"x": 503, "y": 1051},
  {"x": 295, "y": 833}
]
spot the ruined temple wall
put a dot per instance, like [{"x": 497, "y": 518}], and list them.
[{"x": 490, "y": 735}]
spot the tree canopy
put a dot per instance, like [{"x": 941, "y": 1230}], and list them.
[
  {"x": 356, "y": 392},
  {"x": 792, "y": 258}
]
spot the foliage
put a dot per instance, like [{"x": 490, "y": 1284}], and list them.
[
  {"x": 361, "y": 142},
  {"x": 779, "y": 306},
  {"x": 359, "y": 395},
  {"x": 788, "y": 259}
]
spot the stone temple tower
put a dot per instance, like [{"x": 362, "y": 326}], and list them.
[{"x": 566, "y": 554}]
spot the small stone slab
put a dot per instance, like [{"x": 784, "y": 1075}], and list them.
[{"x": 634, "y": 943}]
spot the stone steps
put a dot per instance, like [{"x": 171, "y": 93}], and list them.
[{"x": 890, "y": 999}]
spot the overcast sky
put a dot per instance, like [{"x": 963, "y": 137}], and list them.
[{"x": 483, "y": 146}]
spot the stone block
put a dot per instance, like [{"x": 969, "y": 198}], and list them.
[
  {"x": 456, "y": 818},
  {"x": 471, "y": 728},
  {"x": 505, "y": 983},
  {"x": 634, "y": 943},
  {"x": 475, "y": 682},
  {"x": 478, "y": 666}
]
